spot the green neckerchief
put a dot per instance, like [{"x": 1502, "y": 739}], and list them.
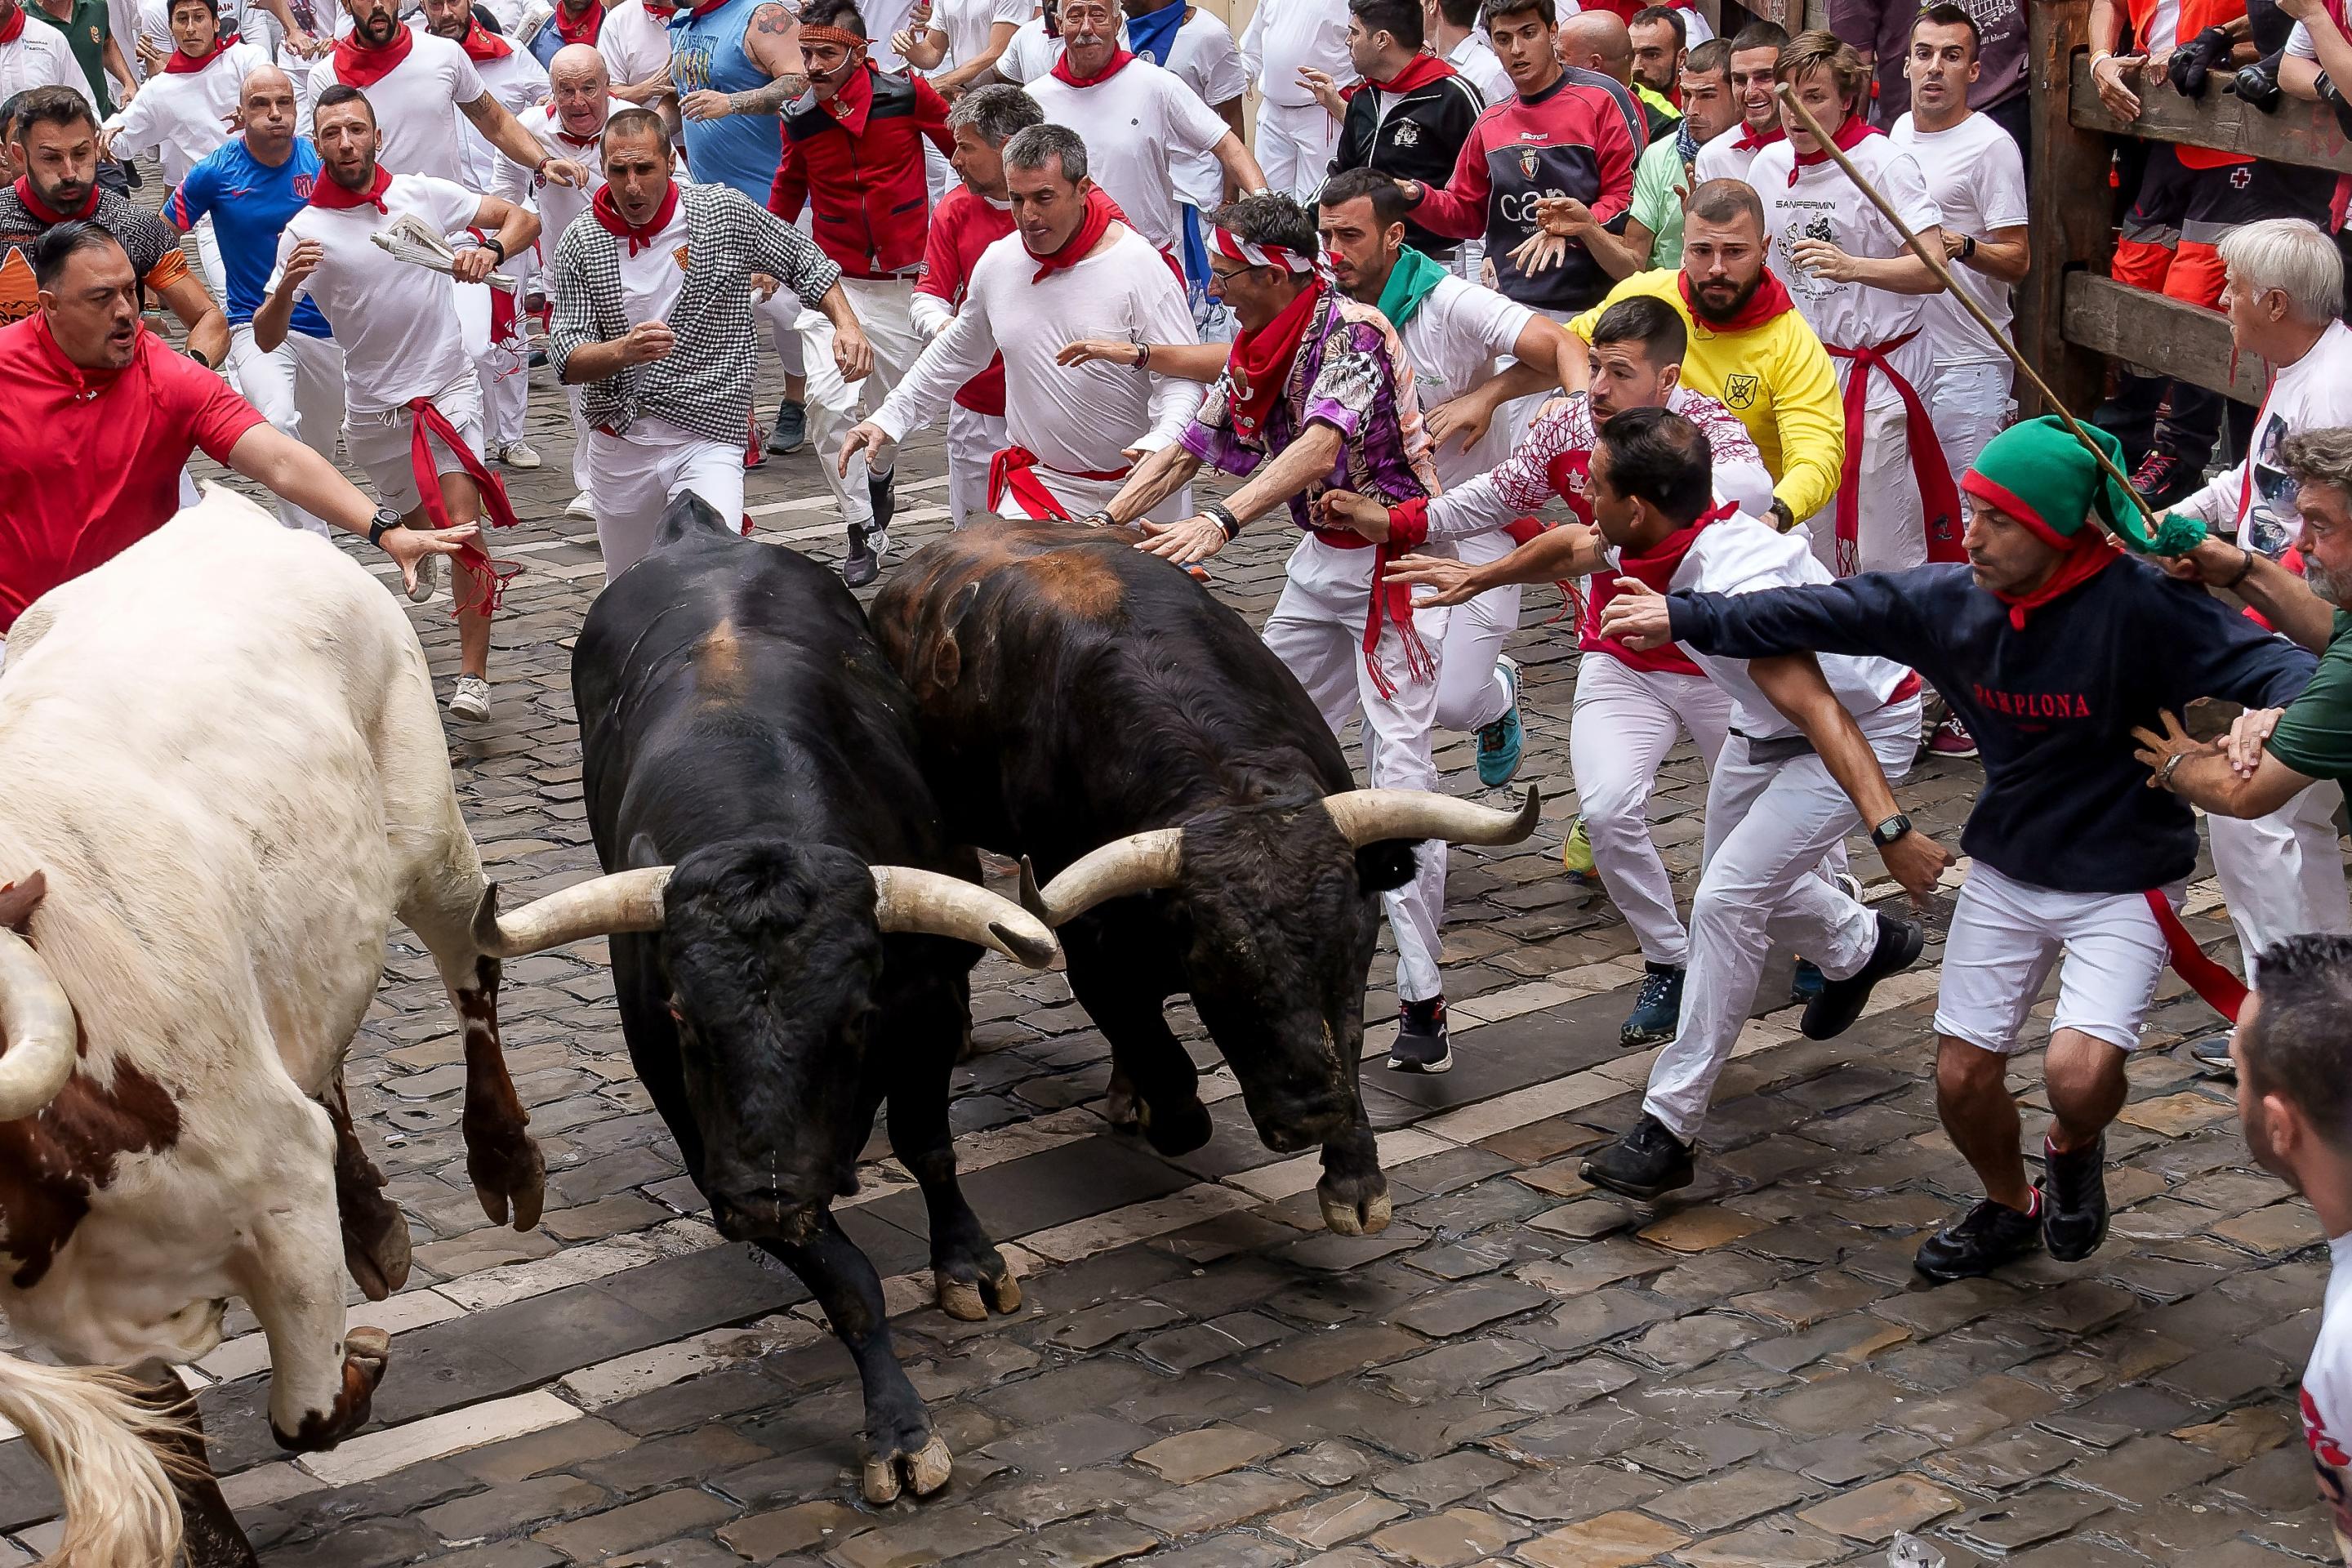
[{"x": 1410, "y": 282}]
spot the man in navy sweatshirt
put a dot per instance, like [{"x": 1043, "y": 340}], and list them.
[{"x": 2051, "y": 644}]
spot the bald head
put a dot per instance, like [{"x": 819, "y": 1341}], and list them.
[
  {"x": 581, "y": 89},
  {"x": 1598, "y": 40},
  {"x": 581, "y": 63},
  {"x": 267, "y": 100}
]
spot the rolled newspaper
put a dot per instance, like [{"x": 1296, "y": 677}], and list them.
[{"x": 410, "y": 238}]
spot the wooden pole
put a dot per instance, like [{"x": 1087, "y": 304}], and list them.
[{"x": 1935, "y": 264}]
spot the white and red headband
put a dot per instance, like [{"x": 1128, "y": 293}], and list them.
[{"x": 1234, "y": 247}]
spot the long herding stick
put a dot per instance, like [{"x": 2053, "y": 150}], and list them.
[{"x": 1935, "y": 265}]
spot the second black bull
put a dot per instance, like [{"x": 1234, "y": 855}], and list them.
[{"x": 1095, "y": 710}]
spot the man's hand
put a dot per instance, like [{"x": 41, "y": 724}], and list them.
[
  {"x": 763, "y": 288},
  {"x": 1636, "y": 616},
  {"x": 1825, "y": 260},
  {"x": 705, "y": 104},
  {"x": 152, "y": 56},
  {"x": 565, "y": 172},
  {"x": 1194, "y": 539},
  {"x": 1105, "y": 350},
  {"x": 1326, "y": 91},
  {"x": 408, "y": 547},
  {"x": 1466, "y": 417},
  {"x": 2248, "y": 734},
  {"x": 1539, "y": 252},
  {"x": 2155, "y": 751},
  {"x": 1357, "y": 514},
  {"x": 304, "y": 45},
  {"x": 307, "y": 253},
  {"x": 2213, "y": 561},
  {"x": 1565, "y": 217},
  {"x": 866, "y": 436},
  {"x": 2111, "y": 77},
  {"x": 473, "y": 266},
  {"x": 647, "y": 341},
  {"x": 1451, "y": 579},
  {"x": 852, "y": 354},
  {"x": 1918, "y": 862}
]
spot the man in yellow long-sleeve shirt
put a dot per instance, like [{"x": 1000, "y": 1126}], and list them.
[{"x": 1750, "y": 348}]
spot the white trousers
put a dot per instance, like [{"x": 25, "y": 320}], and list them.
[
  {"x": 1318, "y": 631},
  {"x": 1469, "y": 697},
  {"x": 2283, "y": 873},
  {"x": 2006, "y": 936},
  {"x": 633, "y": 478},
  {"x": 580, "y": 432},
  {"x": 974, "y": 438},
  {"x": 381, "y": 443},
  {"x": 208, "y": 255},
  {"x": 1890, "y": 529},
  {"x": 1768, "y": 827},
  {"x": 299, "y": 387},
  {"x": 1295, "y": 143},
  {"x": 782, "y": 311},
  {"x": 884, "y": 311},
  {"x": 1970, "y": 405},
  {"x": 1621, "y": 725}
]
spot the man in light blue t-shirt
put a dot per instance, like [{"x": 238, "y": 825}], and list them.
[{"x": 250, "y": 188}]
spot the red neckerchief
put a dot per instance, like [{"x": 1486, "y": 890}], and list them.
[
  {"x": 703, "y": 8},
  {"x": 569, "y": 139},
  {"x": 2088, "y": 554},
  {"x": 584, "y": 30},
  {"x": 1656, "y": 566},
  {"x": 182, "y": 63},
  {"x": 1770, "y": 300},
  {"x": 358, "y": 66},
  {"x": 329, "y": 193},
  {"x": 1261, "y": 360},
  {"x": 608, "y": 214},
  {"x": 1119, "y": 62},
  {"x": 1100, "y": 210},
  {"x": 1750, "y": 141},
  {"x": 1846, "y": 137},
  {"x": 14, "y": 27},
  {"x": 41, "y": 209},
  {"x": 482, "y": 46},
  {"x": 86, "y": 384},
  {"x": 1419, "y": 71}
]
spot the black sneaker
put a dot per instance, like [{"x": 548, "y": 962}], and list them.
[
  {"x": 790, "y": 432},
  {"x": 2164, "y": 478},
  {"x": 1832, "y": 1012},
  {"x": 1979, "y": 1242},
  {"x": 2074, "y": 1200},
  {"x": 864, "y": 562},
  {"x": 1421, "y": 1042},
  {"x": 882, "y": 489},
  {"x": 1646, "y": 1161},
  {"x": 1657, "y": 1012}
]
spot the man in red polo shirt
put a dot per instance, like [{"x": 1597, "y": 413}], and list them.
[
  {"x": 117, "y": 413},
  {"x": 853, "y": 152}
]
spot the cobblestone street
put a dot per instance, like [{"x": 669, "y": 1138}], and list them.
[{"x": 1519, "y": 1369}]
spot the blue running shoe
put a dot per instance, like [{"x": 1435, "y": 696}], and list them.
[
  {"x": 1499, "y": 743},
  {"x": 1807, "y": 983},
  {"x": 1658, "y": 1013}
]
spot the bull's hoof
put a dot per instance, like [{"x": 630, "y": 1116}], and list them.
[
  {"x": 366, "y": 1352},
  {"x": 510, "y": 1177},
  {"x": 378, "y": 1263},
  {"x": 924, "y": 1471},
  {"x": 1177, "y": 1131},
  {"x": 1121, "y": 1108},
  {"x": 1356, "y": 1216},
  {"x": 969, "y": 1300}
]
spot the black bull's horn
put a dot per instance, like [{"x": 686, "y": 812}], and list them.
[
  {"x": 1141, "y": 862},
  {"x": 905, "y": 899}
]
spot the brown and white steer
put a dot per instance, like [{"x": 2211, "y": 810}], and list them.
[{"x": 222, "y": 779}]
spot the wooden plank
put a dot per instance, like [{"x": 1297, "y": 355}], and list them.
[
  {"x": 2068, "y": 196},
  {"x": 2184, "y": 341},
  {"x": 2300, "y": 132}
]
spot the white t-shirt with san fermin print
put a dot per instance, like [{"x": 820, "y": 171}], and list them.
[
  {"x": 2328, "y": 1397},
  {"x": 2256, "y": 497}
]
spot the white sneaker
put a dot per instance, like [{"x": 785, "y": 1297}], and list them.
[
  {"x": 471, "y": 700},
  {"x": 521, "y": 456},
  {"x": 583, "y": 505},
  {"x": 429, "y": 578}
]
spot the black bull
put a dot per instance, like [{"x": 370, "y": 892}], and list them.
[
  {"x": 1094, "y": 710},
  {"x": 799, "y": 961}
]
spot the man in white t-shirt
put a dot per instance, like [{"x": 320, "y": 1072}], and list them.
[
  {"x": 1295, "y": 134},
  {"x": 1755, "y": 72},
  {"x": 34, "y": 55},
  {"x": 568, "y": 126},
  {"x": 2294, "y": 1109},
  {"x": 1863, "y": 292},
  {"x": 185, "y": 111},
  {"x": 1976, "y": 176},
  {"x": 1452, "y": 29},
  {"x": 959, "y": 41},
  {"x": 1138, "y": 122},
  {"x": 634, "y": 42},
  {"x": 412, "y": 408}
]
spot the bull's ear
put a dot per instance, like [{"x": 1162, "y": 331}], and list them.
[
  {"x": 947, "y": 655},
  {"x": 1384, "y": 867},
  {"x": 643, "y": 852},
  {"x": 19, "y": 899}
]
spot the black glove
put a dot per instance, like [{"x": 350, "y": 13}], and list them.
[
  {"x": 2258, "y": 84},
  {"x": 2329, "y": 96},
  {"x": 2194, "y": 61}
]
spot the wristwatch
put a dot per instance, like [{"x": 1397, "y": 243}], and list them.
[
  {"x": 2164, "y": 772},
  {"x": 493, "y": 244},
  {"x": 1224, "y": 518},
  {"x": 197, "y": 357},
  {"x": 1783, "y": 520},
  {"x": 1968, "y": 247},
  {"x": 385, "y": 520},
  {"x": 1889, "y": 831}
]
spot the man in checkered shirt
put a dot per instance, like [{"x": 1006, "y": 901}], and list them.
[{"x": 653, "y": 320}]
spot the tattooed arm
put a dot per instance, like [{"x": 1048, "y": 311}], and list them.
[{"x": 773, "y": 41}]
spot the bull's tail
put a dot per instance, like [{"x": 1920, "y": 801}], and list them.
[{"x": 106, "y": 1449}]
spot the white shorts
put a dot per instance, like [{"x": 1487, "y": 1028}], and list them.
[
  {"x": 2005, "y": 936},
  {"x": 379, "y": 443}
]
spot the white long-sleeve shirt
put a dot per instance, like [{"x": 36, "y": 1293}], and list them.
[
  {"x": 1077, "y": 421},
  {"x": 1283, "y": 34},
  {"x": 179, "y": 116}
]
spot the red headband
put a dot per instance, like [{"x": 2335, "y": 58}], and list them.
[{"x": 821, "y": 34}]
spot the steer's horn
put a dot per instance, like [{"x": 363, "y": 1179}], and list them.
[
  {"x": 1138, "y": 863},
  {"x": 601, "y": 906},
  {"x": 930, "y": 903},
  {"x": 39, "y": 1025},
  {"x": 1369, "y": 816}
]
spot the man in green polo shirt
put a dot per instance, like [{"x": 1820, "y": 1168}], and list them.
[{"x": 90, "y": 35}]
